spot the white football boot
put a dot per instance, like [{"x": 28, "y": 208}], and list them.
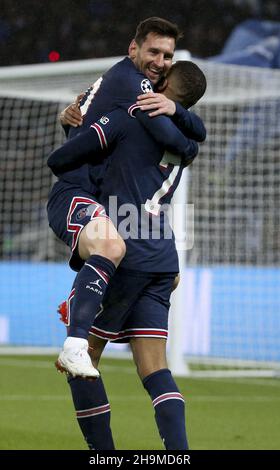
[{"x": 75, "y": 360}]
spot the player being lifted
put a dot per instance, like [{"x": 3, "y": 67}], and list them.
[
  {"x": 135, "y": 307},
  {"x": 98, "y": 250}
]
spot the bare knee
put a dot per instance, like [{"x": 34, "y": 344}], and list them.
[
  {"x": 144, "y": 370},
  {"x": 149, "y": 355},
  {"x": 114, "y": 250},
  {"x": 101, "y": 238}
]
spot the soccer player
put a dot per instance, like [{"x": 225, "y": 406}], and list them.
[
  {"x": 136, "y": 305},
  {"x": 98, "y": 250}
]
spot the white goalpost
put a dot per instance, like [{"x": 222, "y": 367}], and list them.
[{"x": 225, "y": 313}]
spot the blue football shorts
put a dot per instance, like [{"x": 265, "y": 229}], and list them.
[{"x": 135, "y": 305}]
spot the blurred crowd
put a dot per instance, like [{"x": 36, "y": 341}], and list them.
[{"x": 31, "y": 29}]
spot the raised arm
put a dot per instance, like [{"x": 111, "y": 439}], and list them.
[
  {"x": 188, "y": 122},
  {"x": 164, "y": 131},
  {"x": 92, "y": 146},
  {"x": 77, "y": 151}
]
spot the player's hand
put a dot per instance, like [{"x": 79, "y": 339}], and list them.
[
  {"x": 176, "y": 282},
  {"x": 159, "y": 103},
  {"x": 188, "y": 162},
  {"x": 72, "y": 114}
]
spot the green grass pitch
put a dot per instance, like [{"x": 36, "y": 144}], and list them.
[{"x": 37, "y": 412}]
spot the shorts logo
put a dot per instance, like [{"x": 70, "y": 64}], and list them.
[
  {"x": 146, "y": 86},
  {"x": 104, "y": 120}
]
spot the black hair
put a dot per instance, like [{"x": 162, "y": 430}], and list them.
[
  {"x": 158, "y": 26},
  {"x": 190, "y": 82}
]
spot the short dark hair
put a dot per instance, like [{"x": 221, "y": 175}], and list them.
[
  {"x": 158, "y": 26},
  {"x": 191, "y": 82}
]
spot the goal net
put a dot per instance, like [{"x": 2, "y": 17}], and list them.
[
  {"x": 225, "y": 313},
  {"x": 230, "y": 299}
]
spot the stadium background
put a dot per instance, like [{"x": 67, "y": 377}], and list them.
[{"x": 29, "y": 31}]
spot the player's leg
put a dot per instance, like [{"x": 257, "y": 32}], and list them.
[
  {"x": 149, "y": 355},
  {"x": 102, "y": 249},
  {"x": 89, "y": 397},
  {"x": 91, "y": 404},
  {"x": 169, "y": 404},
  {"x": 82, "y": 223},
  {"x": 100, "y": 237},
  {"x": 149, "y": 319}
]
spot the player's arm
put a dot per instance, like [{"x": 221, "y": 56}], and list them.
[
  {"x": 92, "y": 146},
  {"x": 160, "y": 127},
  {"x": 188, "y": 122},
  {"x": 77, "y": 151},
  {"x": 164, "y": 131}
]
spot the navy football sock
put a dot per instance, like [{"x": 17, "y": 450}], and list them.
[
  {"x": 93, "y": 412},
  {"x": 169, "y": 409},
  {"x": 90, "y": 286}
]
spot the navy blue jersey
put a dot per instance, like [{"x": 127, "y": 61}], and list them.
[
  {"x": 139, "y": 180},
  {"x": 118, "y": 87}
]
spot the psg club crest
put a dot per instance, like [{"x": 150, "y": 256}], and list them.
[
  {"x": 82, "y": 213},
  {"x": 146, "y": 86}
]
